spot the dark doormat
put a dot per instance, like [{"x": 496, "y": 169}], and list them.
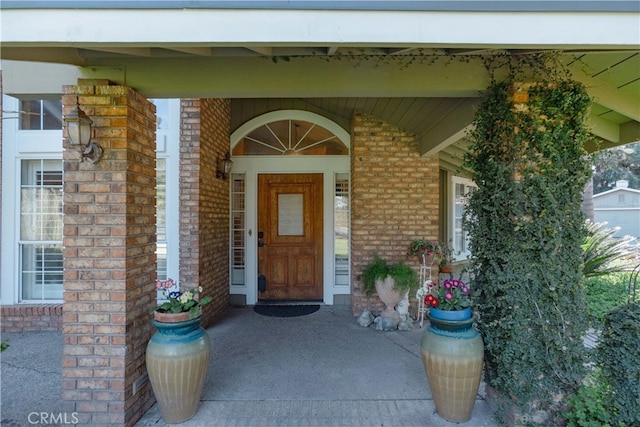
[{"x": 285, "y": 310}]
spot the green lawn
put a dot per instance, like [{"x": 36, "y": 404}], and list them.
[{"x": 606, "y": 293}]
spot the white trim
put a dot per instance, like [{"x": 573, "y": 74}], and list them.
[
  {"x": 189, "y": 26},
  {"x": 453, "y": 180},
  {"x": 254, "y": 165},
  {"x": 168, "y": 146},
  {"x": 617, "y": 209},
  {"x": 307, "y": 116},
  {"x": 614, "y": 190},
  {"x": 18, "y": 145},
  {"x": 251, "y": 166}
]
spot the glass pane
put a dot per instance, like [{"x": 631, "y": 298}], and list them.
[
  {"x": 290, "y": 214},
  {"x": 341, "y": 230},
  {"x": 30, "y": 115},
  {"x": 41, "y": 271},
  {"x": 41, "y": 216},
  {"x": 161, "y": 261},
  {"x": 290, "y": 137},
  {"x": 161, "y": 218},
  {"x": 52, "y": 114},
  {"x": 237, "y": 229},
  {"x": 162, "y": 113}
]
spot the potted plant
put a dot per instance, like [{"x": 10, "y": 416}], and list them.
[
  {"x": 446, "y": 258},
  {"x": 452, "y": 350},
  {"x": 390, "y": 281},
  {"x": 178, "y": 353},
  {"x": 179, "y": 305},
  {"x": 429, "y": 252}
]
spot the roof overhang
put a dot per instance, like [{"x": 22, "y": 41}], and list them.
[{"x": 320, "y": 49}]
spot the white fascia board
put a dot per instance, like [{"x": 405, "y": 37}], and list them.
[
  {"x": 28, "y": 79},
  {"x": 37, "y": 27}
]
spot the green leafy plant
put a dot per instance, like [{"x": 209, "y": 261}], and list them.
[
  {"x": 446, "y": 254},
  {"x": 589, "y": 406},
  {"x": 3, "y": 346},
  {"x": 604, "y": 254},
  {"x": 604, "y": 293},
  {"x": 178, "y": 301},
  {"x": 526, "y": 228},
  {"x": 405, "y": 277},
  {"x": 619, "y": 356},
  {"x": 423, "y": 247}
]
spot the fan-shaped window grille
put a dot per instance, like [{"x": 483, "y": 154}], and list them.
[{"x": 290, "y": 138}]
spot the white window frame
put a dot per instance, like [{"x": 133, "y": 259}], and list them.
[
  {"x": 18, "y": 145},
  {"x": 459, "y": 254},
  {"x": 168, "y": 148}
]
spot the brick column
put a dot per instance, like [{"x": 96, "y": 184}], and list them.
[
  {"x": 204, "y": 201},
  {"x": 109, "y": 257},
  {"x": 394, "y": 198}
]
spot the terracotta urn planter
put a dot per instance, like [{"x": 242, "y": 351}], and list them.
[
  {"x": 452, "y": 354},
  {"x": 177, "y": 360}
]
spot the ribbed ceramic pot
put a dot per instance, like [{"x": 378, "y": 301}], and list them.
[
  {"x": 177, "y": 359},
  {"x": 452, "y": 354},
  {"x": 389, "y": 296}
]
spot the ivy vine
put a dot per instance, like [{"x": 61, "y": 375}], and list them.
[{"x": 525, "y": 224}]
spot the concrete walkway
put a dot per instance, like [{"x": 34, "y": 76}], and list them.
[{"x": 316, "y": 370}]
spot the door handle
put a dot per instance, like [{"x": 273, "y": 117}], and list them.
[{"x": 260, "y": 243}]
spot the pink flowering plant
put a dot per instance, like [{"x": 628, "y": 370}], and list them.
[
  {"x": 452, "y": 295},
  {"x": 178, "y": 301}
]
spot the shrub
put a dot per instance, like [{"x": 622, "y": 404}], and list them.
[
  {"x": 604, "y": 254},
  {"x": 589, "y": 406},
  {"x": 619, "y": 358},
  {"x": 526, "y": 230},
  {"x": 604, "y": 293}
]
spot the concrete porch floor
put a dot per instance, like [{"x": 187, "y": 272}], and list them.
[{"x": 322, "y": 369}]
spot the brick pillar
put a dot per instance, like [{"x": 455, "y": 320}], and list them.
[
  {"x": 204, "y": 201},
  {"x": 1, "y": 92},
  {"x": 394, "y": 199},
  {"x": 109, "y": 257}
]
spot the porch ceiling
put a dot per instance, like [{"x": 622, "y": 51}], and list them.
[{"x": 415, "y": 85}]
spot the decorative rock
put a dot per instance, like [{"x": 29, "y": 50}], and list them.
[
  {"x": 404, "y": 326},
  {"x": 385, "y": 323},
  {"x": 365, "y": 319}
]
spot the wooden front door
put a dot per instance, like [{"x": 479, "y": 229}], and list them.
[{"x": 290, "y": 236}]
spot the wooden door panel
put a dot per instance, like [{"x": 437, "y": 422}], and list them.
[
  {"x": 290, "y": 222},
  {"x": 278, "y": 272},
  {"x": 303, "y": 271}
]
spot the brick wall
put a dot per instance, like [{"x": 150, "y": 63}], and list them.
[
  {"x": 1, "y": 109},
  {"x": 204, "y": 201},
  {"x": 31, "y": 318},
  {"x": 109, "y": 256},
  {"x": 394, "y": 199}
]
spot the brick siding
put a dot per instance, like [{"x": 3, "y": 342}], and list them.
[
  {"x": 204, "y": 201},
  {"x": 31, "y": 318},
  {"x": 109, "y": 256},
  {"x": 394, "y": 199},
  {"x": 1, "y": 109}
]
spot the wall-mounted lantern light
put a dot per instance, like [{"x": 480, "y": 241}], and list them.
[
  {"x": 224, "y": 166},
  {"x": 79, "y": 129}
]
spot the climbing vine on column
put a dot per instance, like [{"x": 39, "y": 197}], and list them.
[{"x": 526, "y": 227}]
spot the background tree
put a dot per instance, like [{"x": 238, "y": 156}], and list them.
[{"x": 615, "y": 164}]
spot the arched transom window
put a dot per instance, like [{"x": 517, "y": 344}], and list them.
[{"x": 290, "y": 137}]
